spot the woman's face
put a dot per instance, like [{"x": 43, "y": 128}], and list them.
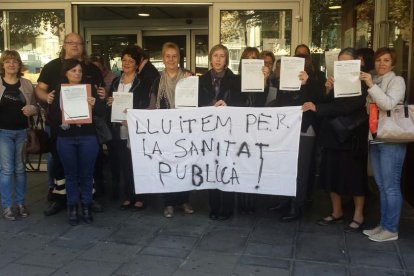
[
  {"x": 74, "y": 75},
  {"x": 383, "y": 64},
  {"x": 11, "y": 66},
  {"x": 218, "y": 60},
  {"x": 129, "y": 65},
  {"x": 345, "y": 57},
  {"x": 170, "y": 59},
  {"x": 251, "y": 55}
]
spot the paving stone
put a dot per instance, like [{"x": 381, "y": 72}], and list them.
[
  {"x": 176, "y": 242},
  {"x": 111, "y": 252},
  {"x": 407, "y": 253},
  {"x": 268, "y": 235},
  {"x": 25, "y": 270},
  {"x": 7, "y": 256},
  {"x": 318, "y": 269},
  {"x": 375, "y": 258},
  {"x": 325, "y": 248},
  {"x": 269, "y": 250},
  {"x": 310, "y": 226},
  {"x": 263, "y": 261},
  {"x": 205, "y": 262},
  {"x": 49, "y": 227},
  {"x": 25, "y": 242},
  {"x": 224, "y": 239},
  {"x": 134, "y": 234},
  {"x": 195, "y": 226},
  {"x": 247, "y": 270},
  {"x": 50, "y": 256},
  {"x": 149, "y": 265},
  {"x": 369, "y": 271},
  {"x": 166, "y": 252},
  {"x": 90, "y": 268},
  {"x": 360, "y": 241}
]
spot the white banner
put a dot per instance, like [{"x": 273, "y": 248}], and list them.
[{"x": 251, "y": 150}]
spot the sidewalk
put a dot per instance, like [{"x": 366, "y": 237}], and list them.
[{"x": 146, "y": 243}]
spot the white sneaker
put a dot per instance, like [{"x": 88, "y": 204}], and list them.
[
  {"x": 373, "y": 231},
  {"x": 187, "y": 208},
  {"x": 383, "y": 236},
  {"x": 169, "y": 212}
]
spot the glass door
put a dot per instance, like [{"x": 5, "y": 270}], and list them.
[
  {"x": 36, "y": 31},
  {"x": 152, "y": 42},
  {"x": 268, "y": 27}
]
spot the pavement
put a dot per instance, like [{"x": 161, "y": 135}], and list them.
[{"x": 145, "y": 243}]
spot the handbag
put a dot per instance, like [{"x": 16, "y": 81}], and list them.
[
  {"x": 37, "y": 138},
  {"x": 395, "y": 126},
  {"x": 103, "y": 132},
  {"x": 343, "y": 126}
]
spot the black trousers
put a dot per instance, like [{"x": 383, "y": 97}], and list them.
[
  {"x": 221, "y": 202},
  {"x": 175, "y": 199}
]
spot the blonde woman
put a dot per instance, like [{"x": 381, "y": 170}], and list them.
[{"x": 16, "y": 105}]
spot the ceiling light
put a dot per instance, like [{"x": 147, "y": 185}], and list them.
[
  {"x": 336, "y": 7},
  {"x": 143, "y": 14},
  {"x": 334, "y": 4}
]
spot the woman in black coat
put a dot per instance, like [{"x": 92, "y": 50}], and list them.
[
  {"x": 220, "y": 87},
  {"x": 344, "y": 159}
]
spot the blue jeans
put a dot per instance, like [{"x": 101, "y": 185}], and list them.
[
  {"x": 50, "y": 172},
  {"x": 387, "y": 160},
  {"x": 12, "y": 169},
  {"x": 78, "y": 155}
]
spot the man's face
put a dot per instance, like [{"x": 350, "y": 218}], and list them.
[{"x": 73, "y": 46}]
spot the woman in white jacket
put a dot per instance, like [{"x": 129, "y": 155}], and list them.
[{"x": 387, "y": 159}]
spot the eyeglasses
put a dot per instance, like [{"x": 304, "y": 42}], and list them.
[{"x": 71, "y": 43}]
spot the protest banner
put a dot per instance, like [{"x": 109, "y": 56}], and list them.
[{"x": 251, "y": 150}]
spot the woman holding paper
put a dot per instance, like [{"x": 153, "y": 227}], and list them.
[
  {"x": 344, "y": 157},
  {"x": 16, "y": 105},
  {"x": 77, "y": 144},
  {"x": 163, "y": 97},
  {"x": 387, "y": 159},
  {"x": 131, "y": 84},
  {"x": 220, "y": 87}
]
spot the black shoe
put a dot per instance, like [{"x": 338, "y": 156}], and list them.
[
  {"x": 213, "y": 216},
  {"x": 293, "y": 214},
  {"x": 54, "y": 208},
  {"x": 87, "y": 213},
  {"x": 225, "y": 216},
  {"x": 73, "y": 215},
  {"x": 279, "y": 207},
  {"x": 96, "y": 207}
]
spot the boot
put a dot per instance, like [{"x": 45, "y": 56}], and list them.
[
  {"x": 294, "y": 213},
  {"x": 73, "y": 215},
  {"x": 87, "y": 213}
]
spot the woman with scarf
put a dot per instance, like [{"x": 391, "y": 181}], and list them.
[
  {"x": 163, "y": 97},
  {"x": 220, "y": 87}
]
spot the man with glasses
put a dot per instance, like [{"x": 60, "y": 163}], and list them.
[{"x": 49, "y": 79}]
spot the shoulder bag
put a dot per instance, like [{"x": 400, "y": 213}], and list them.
[{"x": 394, "y": 126}]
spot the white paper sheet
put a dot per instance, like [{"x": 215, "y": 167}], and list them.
[
  {"x": 75, "y": 102},
  {"x": 186, "y": 92},
  {"x": 252, "y": 78},
  {"x": 122, "y": 101},
  {"x": 346, "y": 78},
  {"x": 330, "y": 58},
  {"x": 290, "y": 68}
]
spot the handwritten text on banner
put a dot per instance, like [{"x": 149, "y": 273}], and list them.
[{"x": 252, "y": 150}]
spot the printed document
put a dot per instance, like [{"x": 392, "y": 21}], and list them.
[
  {"x": 346, "y": 78},
  {"x": 290, "y": 68},
  {"x": 122, "y": 101},
  {"x": 186, "y": 92},
  {"x": 252, "y": 79}
]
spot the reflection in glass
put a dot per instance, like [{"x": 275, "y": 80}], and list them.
[
  {"x": 153, "y": 44},
  {"x": 364, "y": 24},
  {"x": 36, "y": 35},
  {"x": 268, "y": 30},
  {"x": 110, "y": 47},
  {"x": 400, "y": 33},
  {"x": 201, "y": 53}
]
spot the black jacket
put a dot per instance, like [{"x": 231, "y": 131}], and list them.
[
  {"x": 230, "y": 90},
  {"x": 348, "y": 106}
]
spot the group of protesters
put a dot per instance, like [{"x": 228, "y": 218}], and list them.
[{"x": 75, "y": 164}]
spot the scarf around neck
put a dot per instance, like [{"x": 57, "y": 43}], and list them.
[{"x": 166, "y": 89}]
